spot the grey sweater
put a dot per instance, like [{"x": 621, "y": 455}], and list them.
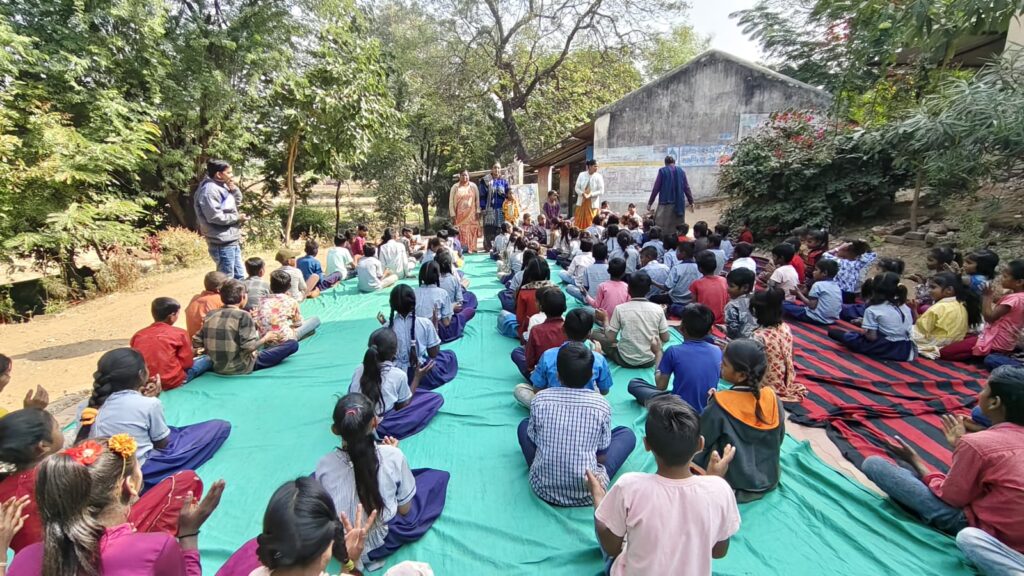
[{"x": 217, "y": 212}]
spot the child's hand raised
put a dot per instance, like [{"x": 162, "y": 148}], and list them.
[
  {"x": 597, "y": 490},
  {"x": 39, "y": 399},
  {"x": 355, "y": 536},
  {"x": 953, "y": 426},
  {"x": 425, "y": 369},
  {"x": 719, "y": 462}
]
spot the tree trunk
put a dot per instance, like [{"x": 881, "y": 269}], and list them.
[
  {"x": 337, "y": 208},
  {"x": 425, "y": 207},
  {"x": 293, "y": 152},
  {"x": 918, "y": 185},
  {"x": 508, "y": 118},
  {"x": 174, "y": 205}
]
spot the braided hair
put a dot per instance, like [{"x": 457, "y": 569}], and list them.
[
  {"x": 353, "y": 415},
  {"x": 747, "y": 357},
  {"x": 118, "y": 370},
  {"x": 382, "y": 347}
]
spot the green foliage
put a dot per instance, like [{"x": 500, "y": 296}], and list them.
[
  {"x": 800, "y": 171},
  {"x": 669, "y": 51},
  {"x": 309, "y": 221},
  {"x": 181, "y": 247}
]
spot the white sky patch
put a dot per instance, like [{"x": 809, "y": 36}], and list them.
[{"x": 711, "y": 17}]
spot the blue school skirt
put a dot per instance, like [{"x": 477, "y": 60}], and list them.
[
  {"x": 852, "y": 311},
  {"x": 427, "y": 505},
  {"x": 880, "y": 349},
  {"x": 413, "y": 418},
  {"x": 469, "y": 300},
  {"x": 189, "y": 448},
  {"x": 446, "y": 367},
  {"x": 508, "y": 300},
  {"x": 454, "y": 330}
]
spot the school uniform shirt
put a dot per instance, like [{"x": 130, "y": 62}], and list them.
[
  {"x": 944, "y": 323},
  {"x": 370, "y": 272},
  {"x": 278, "y": 313},
  {"x": 739, "y": 322},
  {"x": 256, "y": 289},
  {"x": 748, "y": 263},
  {"x": 659, "y": 275},
  {"x": 680, "y": 278},
  {"x": 426, "y": 338},
  {"x": 394, "y": 386},
  {"x": 730, "y": 418},
  {"x": 545, "y": 374},
  {"x": 670, "y": 260},
  {"x": 985, "y": 480},
  {"x": 500, "y": 242},
  {"x": 658, "y": 245},
  {"x": 720, "y": 259},
  {"x": 430, "y": 298},
  {"x": 129, "y": 412},
  {"x": 851, "y": 272},
  {"x": 339, "y": 259},
  {"x": 516, "y": 261},
  {"x": 1002, "y": 335},
  {"x": 786, "y": 278},
  {"x": 727, "y": 248},
  {"x": 638, "y": 322},
  {"x": 516, "y": 281},
  {"x": 596, "y": 231},
  {"x": 543, "y": 337},
  {"x": 230, "y": 338},
  {"x": 453, "y": 287},
  {"x": 569, "y": 426},
  {"x": 394, "y": 480},
  {"x": 630, "y": 255},
  {"x": 309, "y": 265},
  {"x": 298, "y": 287},
  {"x": 670, "y": 525},
  {"x": 595, "y": 275},
  {"x": 428, "y": 257},
  {"x": 892, "y": 323},
  {"x": 612, "y": 244},
  {"x": 167, "y": 351},
  {"x": 638, "y": 235},
  {"x": 694, "y": 366},
  {"x": 713, "y": 292},
  {"x": 830, "y": 301},
  {"x": 578, "y": 267},
  {"x": 196, "y": 311},
  {"x": 610, "y": 295},
  {"x": 394, "y": 257}
]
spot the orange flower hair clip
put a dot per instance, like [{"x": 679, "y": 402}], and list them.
[
  {"x": 123, "y": 445},
  {"x": 85, "y": 453}
]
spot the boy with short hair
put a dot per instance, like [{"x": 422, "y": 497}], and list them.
[
  {"x": 569, "y": 434},
  {"x": 715, "y": 247},
  {"x": 255, "y": 286},
  {"x": 167, "y": 349},
  {"x": 593, "y": 275},
  {"x": 359, "y": 241},
  {"x": 694, "y": 366},
  {"x": 576, "y": 328},
  {"x": 680, "y": 278},
  {"x": 204, "y": 302},
  {"x": 654, "y": 268},
  {"x": 231, "y": 341},
  {"x": 742, "y": 251},
  {"x": 313, "y": 272},
  {"x": 712, "y": 290},
  {"x": 543, "y": 336},
  {"x": 279, "y": 312},
  {"x": 372, "y": 274},
  {"x": 611, "y": 293},
  {"x": 683, "y": 232},
  {"x": 739, "y": 322},
  {"x": 636, "y": 329},
  {"x": 286, "y": 257},
  {"x": 501, "y": 241},
  {"x": 824, "y": 302},
  {"x": 654, "y": 241},
  {"x": 675, "y": 522},
  {"x": 727, "y": 247},
  {"x": 784, "y": 276},
  {"x": 573, "y": 275},
  {"x": 339, "y": 258},
  {"x": 597, "y": 228}
]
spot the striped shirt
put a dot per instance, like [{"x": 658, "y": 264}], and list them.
[{"x": 569, "y": 426}]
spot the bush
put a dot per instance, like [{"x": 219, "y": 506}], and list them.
[
  {"x": 801, "y": 171},
  {"x": 120, "y": 272},
  {"x": 180, "y": 247},
  {"x": 309, "y": 221}
]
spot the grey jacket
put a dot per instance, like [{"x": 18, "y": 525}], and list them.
[{"x": 217, "y": 212}]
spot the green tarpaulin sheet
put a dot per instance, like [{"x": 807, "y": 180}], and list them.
[{"x": 817, "y": 522}]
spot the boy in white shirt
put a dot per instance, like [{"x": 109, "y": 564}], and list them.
[
  {"x": 742, "y": 251},
  {"x": 573, "y": 276},
  {"x": 784, "y": 275},
  {"x": 372, "y": 274},
  {"x": 339, "y": 258},
  {"x": 671, "y": 522}
]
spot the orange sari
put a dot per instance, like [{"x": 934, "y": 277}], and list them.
[
  {"x": 584, "y": 215},
  {"x": 465, "y": 203}
]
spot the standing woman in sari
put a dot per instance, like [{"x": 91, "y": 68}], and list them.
[
  {"x": 589, "y": 188},
  {"x": 464, "y": 208}
]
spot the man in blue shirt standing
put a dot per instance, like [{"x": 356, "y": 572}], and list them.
[
  {"x": 216, "y": 204},
  {"x": 493, "y": 191},
  {"x": 673, "y": 193}
]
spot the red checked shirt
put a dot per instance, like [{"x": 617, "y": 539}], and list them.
[
  {"x": 986, "y": 479},
  {"x": 167, "y": 351}
]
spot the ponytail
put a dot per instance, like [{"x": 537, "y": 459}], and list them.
[
  {"x": 382, "y": 347},
  {"x": 353, "y": 415},
  {"x": 299, "y": 525},
  {"x": 748, "y": 357},
  {"x": 969, "y": 298},
  {"x": 21, "y": 432},
  {"x": 117, "y": 370}
]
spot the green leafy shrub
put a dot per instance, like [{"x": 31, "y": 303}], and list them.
[
  {"x": 799, "y": 170},
  {"x": 181, "y": 247},
  {"x": 119, "y": 272},
  {"x": 309, "y": 221}
]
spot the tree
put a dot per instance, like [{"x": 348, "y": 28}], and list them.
[
  {"x": 669, "y": 51},
  {"x": 513, "y": 47}
]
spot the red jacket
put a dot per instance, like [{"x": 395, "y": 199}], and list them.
[{"x": 167, "y": 351}]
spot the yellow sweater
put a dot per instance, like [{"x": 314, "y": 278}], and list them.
[{"x": 941, "y": 325}]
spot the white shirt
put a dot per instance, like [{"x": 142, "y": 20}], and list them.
[
  {"x": 338, "y": 260},
  {"x": 596, "y": 183},
  {"x": 748, "y": 263},
  {"x": 785, "y": 278},
  {"x": 394, "y": 386},
  {"x": 394, "y": 257},
  {"x": 370, "y": 272}
]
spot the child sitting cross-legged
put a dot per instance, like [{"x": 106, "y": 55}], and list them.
[
  {"x": 167, "y": 349},
  {"x": 403, "y": 410},
  {"x": 887, "y": 323},
  {"x": 280, "y": 313},
  {"x": 1004, "y": 317},
  {"x": 569, "y": 433},
  {"x": 777, "y": 339},
  {"x": 854, "y": 258},
  {"x": 573, "y": 275},
  {"x": 435, "y": 304},
  {"x": 781, "y": 273},
  {"x": 680, "y": 278},
  {"x": 743, "y": 251},
  {"x": 313, "y": 272},
  {"x": 576, "y": 328},
  {"x": 715, "y": 247},
  {"x": 255, "y": 286},
  {"x": 231, "y": 340},
  {"x": 655, "y": 268},
  {"x": 637, "y": 328},
  {"x": 117, "y": 405},
  {"x": 288, "y": 259},
  {"x": 693, "y": 366},
  {"x": 711, "y": 290},
  {"x": 854, "y": 312},
  {"x": 611, "y": 293},
  {"x": 462, "y": 299},
  {"x": 824, "y": 302},
  {"x": 953, "y": 309},
  {"x": 593, "y": 275},
  {"x": 672, "y": 521},
  {"x": 748, "y": 417},
  {"x": 739, "y": 322},
  {"x": 372, "y": 274},
  {"x": 378, "y": 477},
  {"x": 545, "y": 335},
  {"x": 204, "y": 302},
  {"x": 418, "y": 341}
]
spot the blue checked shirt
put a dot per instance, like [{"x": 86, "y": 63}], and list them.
[
  {"x": 569, "y": 426},
  {"x": 595, "y": 275}
]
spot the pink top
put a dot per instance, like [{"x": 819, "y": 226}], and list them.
[
  {"x": 1001, "y": 335},
  {"x": 124, "y": 552},
  {"x": 610, "y": 294},
  {"x": 986, "y": 479},
  {"x": 671, "y": 525}
]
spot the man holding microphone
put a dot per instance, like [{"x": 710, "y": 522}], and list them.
[{"x": 216, "y": 204}]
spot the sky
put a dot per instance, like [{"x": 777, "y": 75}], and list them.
[{"x": 711, "y": 17}]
